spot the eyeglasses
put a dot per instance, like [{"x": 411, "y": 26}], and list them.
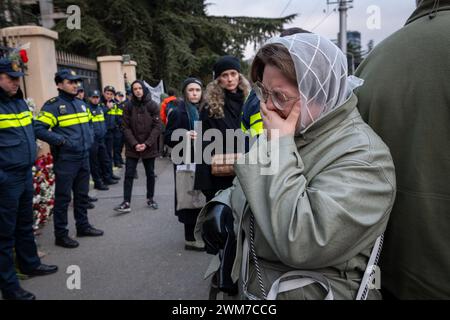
[{"x": 279, "y": 99}]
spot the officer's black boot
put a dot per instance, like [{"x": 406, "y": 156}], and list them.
[
  {"x": 18, "y": 294},
  {"x": 66, "y": 242},
  {"x": 42, "y": 270},
  {"x": 101, "y": 187},
  {"x": 90, "y": 232},
  {"x": 111, "y": 182}
]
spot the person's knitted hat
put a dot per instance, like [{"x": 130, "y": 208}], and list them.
[
  {"x": 188, "y": 81},
  {"x": 226, "y": 63}
]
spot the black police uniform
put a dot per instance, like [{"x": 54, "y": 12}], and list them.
[
  {"x": 118, "y": 135},
  {"x": 113, "y": 118},
  {"x": 100, "y": 165},
  {"x": 17, "y": 156},
  {"x": 251, "y": 121},
  {"x": 70, "y": 139}
]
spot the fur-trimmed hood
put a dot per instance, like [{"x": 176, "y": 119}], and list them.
[{"x": 215, "y": 96}]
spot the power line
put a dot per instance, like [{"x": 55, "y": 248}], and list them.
[
  {"x": 325, "y": 18},
  {"x": 318, "y": 3},
  {"x": 285, "y": 8}
]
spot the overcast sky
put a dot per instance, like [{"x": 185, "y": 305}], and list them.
[{"x": 315, "y": 15}]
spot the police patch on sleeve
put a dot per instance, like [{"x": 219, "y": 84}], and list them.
[
  {"x": 83, "y": 108},
  {"x": 62, "y": 109}
]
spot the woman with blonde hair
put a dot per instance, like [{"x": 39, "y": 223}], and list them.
[{"x": 224, "y": 99}]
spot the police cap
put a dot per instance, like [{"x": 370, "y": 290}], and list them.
[{"x": 11, "y": 68}]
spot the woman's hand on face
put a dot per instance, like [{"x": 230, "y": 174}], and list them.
[{"x": 276, "y": 126}]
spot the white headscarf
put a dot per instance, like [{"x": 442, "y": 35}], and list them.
[{"x": 321, "y": 69}]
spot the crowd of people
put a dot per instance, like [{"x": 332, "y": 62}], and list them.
[{"x": 314, "y": 228}]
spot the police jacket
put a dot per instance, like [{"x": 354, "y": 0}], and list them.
[
  {"x": 67, "y": 117},
  {"x": 17, "y": 141},
  {"x": 251, "y": 121},
  {"x": 119, "y": 113},
  {"x": 113, "y": 116},
  {"x": 98, "y": 121}
]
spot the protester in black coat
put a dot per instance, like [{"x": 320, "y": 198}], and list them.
[
  {"x": 224, "y": 98},
  {"x": 141, "y": 129},
  {"x": 183, "y": 117}
]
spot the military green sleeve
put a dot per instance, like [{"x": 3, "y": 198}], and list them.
[{"x": 317, "y": 223}]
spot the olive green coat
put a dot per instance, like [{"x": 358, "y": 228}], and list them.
[
  {"x": 406, "y": 100},
  {"x": 323, "y": 208}
]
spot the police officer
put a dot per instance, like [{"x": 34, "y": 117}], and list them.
[
  {"x": 118, "y": 134},
  {"x": 17, "y": 155},
  {"x": 70, "y": 139},
  {"x": 112, "y": 113},
  {"x": 82, "y": 96},
  {"x": 98, "y": 158},
  {"x": 81, "y": 93},
  {"x": 251, "y": 121}
]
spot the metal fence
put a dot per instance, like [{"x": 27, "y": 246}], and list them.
[{"x": 85, "y": 67}]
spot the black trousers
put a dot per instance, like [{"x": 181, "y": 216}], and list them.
[
  {"x": 99, "y": 162},
  {"x": 16, "y": 228},
  {"x": 109, "y": 144},
  {"x": 189, "y": 232},
  {"x": 71, "y": 176},
  {"x": 117, "y": 146},
  {"x": 130, "y": 170}
]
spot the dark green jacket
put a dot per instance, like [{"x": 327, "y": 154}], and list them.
[
  {"x": 321, "y": 209},
  {"x": 406, "y": 100}
]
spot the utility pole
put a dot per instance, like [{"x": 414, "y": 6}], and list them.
[
  {"x": 48, "y": 16},
  {"x": 46, "y": 8},
  {"x": 344, "y": 5}
]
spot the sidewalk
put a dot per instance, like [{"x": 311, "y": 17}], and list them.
[{"x": 141, "y": 255}]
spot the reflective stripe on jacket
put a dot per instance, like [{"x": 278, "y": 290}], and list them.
[
  {"x": 17, "y": 140},
  {"x": 68, "y": 118},
  {"x": 97, "y": 118},
  {"x": 251, "y": 121}
]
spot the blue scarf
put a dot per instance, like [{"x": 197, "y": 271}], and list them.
[{"x": 192, "y": 111}]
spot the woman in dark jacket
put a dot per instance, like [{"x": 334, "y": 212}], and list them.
[
  {"x": 224, "y": 100},
  {"x": 184, "y": 117},
  {"x": 141, "y": 129}
]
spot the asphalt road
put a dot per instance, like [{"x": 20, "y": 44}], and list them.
[{"x": 141, "y": 256}]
